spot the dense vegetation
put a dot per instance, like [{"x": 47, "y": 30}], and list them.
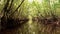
[{"x": 30, "y": 16}]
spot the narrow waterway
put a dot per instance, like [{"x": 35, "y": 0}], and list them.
[{"x": 31, "y": 27}]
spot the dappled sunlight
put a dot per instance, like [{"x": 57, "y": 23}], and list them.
[
  {"x": 30, "y": 19},
  {"x": 30, "y": 16},
  {"x": 39, "y": 1},
  {"x": 30, "y": 1}
]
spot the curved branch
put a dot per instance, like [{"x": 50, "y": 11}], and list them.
[
  {"x": 10, "y": 5},
  {"x": 6, "y": 5},
  {"x": 18, "y": 7}
]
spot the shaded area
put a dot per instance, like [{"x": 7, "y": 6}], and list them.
[{"x": 30, "y": 17}]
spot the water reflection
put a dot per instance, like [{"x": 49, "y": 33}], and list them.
[{"x": 34, "y": 28}]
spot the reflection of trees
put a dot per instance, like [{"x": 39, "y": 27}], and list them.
[
  {"x": 8, "y": 20},
  {"x": 47, "y": 16},
  {"x": 44, "y": 13}
]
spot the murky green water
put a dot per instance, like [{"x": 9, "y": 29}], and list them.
[{"x": 32, "y": 27}]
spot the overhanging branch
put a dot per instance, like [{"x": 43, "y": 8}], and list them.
[
  {"x": 6, "y": 5},
  {"x": 17, "y": 7},
  {"x": 10, "y": 5}
]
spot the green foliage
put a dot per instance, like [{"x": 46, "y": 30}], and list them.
[{"x": 36, "y": 8}]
